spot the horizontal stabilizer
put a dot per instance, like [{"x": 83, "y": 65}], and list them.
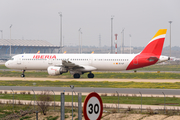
[{"x": 153, "y": 59}]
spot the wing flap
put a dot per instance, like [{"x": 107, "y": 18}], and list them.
[{"x": 71, "y": 65}]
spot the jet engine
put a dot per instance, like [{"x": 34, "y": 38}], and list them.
[{"x": 52, "y": 70}]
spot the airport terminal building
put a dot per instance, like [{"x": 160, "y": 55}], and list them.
[{"x": 25, "y": 46}]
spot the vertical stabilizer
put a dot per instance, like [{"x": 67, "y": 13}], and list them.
[{"x": 156, "y": 44}]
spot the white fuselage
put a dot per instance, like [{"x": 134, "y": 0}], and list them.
[{"x": 102, "y": 62}]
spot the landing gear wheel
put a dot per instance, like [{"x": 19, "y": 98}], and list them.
[
  {"x": 90, "y": 75},
  {"x": 76, "y": 75},
  {"x": 22, "y": 75}
]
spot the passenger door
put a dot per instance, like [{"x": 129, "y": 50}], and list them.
[{"x": 19, "y": 61}]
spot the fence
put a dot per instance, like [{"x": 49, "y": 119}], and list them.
[{"x": 113, "y": 103}]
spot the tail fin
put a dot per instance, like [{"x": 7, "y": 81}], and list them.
[
  {"x": 156, "y": 44},
  {"x": 38, "y": 52}
]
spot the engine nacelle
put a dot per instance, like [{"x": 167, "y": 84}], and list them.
[{"x": 52, "y": 70}]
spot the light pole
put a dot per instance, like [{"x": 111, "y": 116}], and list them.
[
  {"x": 141, "y": 101},
  {"x": 164, "y": 103},
  {"x": 170, "y": 38},
  {"x": 81, "y": 42},
  {"x": 60, "y": 14},
  {"x": 79, "y": 38},
  {"x": 13, "y": 99},
  {"x": 75, "y": 96},
  {"x": 34, "y": 99},
  {"x": 10, "y": 40},
  {"x": 130, "y": 42},
  {"x": 1, "y": 34},
  {"x": 54, "y": 100},
  {"x": 72, "y": 87},
  {"x": 122, "y": 41},
  {"x": 118, "y": 100},
  {"x": 112, "y": 34}
]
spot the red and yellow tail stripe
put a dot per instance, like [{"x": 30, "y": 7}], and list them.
[
  {"x": 156, "y": 44},
  {"x": 160, "y": 34}
]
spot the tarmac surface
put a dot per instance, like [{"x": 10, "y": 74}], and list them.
[
  {"x": 91, "y": 89},
  {"x": 98, "y": 90},
  {"x": 94, "y": 79}
]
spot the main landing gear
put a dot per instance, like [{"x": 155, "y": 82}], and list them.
[
  {"x": 77, "y": 75},
  {"x": 90, "y": 75},
  {"x": 22, "y": 75}
]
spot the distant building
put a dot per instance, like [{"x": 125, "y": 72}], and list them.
[{"x": 25, "y": 46}]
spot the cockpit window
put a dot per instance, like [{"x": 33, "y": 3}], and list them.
[{"x": 12, "y": 58}]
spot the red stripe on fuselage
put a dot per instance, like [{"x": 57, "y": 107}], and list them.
[{"x": 141, "y": 60}]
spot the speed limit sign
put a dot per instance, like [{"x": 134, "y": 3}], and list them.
[{"x": 93, "y": 107}]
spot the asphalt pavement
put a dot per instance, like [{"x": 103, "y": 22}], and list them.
[{"x": 98, "y": 90}]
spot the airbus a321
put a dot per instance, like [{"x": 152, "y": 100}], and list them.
[{"x": 78, "y": 64}]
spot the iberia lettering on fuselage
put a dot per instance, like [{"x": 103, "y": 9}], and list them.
[{"x": 44, "y": 57}]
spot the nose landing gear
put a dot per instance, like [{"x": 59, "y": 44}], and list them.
[{"x": 22, "y": 75}]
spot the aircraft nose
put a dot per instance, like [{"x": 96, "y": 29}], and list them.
[{"x": 7, "y": 64}]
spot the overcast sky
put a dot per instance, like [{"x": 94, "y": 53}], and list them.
[{"x": 39, "y": 20}]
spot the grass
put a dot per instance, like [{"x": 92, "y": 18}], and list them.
[
  {"x": 101, "y": 84},
  {"x": 149, "y": 68},
  {"x": 3, "y": 67},
  {"x": 160, "y": 68},
  {"x": 52, "y": 118},
  {"x": 25, "y": 117},
  {"x": 97, "y": 75},
  {"x": 7, "y": 109},
  {"x": 105, "y": 99}
]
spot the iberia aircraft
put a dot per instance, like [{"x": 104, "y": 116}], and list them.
[{"x": 78, "y": 64}]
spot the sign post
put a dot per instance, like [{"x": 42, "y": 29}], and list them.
[{"x": 93, "y": 107}]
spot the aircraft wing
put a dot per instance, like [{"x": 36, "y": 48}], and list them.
[
  {"x": 73, "y": 66},
  {"x": 68, "y": 64}
]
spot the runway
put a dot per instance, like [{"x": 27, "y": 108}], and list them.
[
  {"x": 91, "y": 80},
  {"x": 98, "y": 90},
  {"x": 127, "y": 71}
]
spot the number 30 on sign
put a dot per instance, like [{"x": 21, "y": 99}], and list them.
[{"x": 93, "y": 107}]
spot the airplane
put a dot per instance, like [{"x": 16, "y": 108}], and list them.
[{"x": 78, "y": 64}]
